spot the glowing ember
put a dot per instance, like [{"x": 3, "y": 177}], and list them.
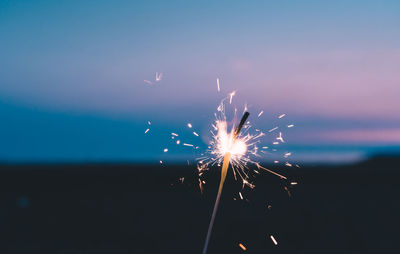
[
  {"x": 273, "y": 240},
  {"x": 231, "y": 96},
  {"x": 271, "y": 130},
  {"x": 242, "y": 247},
  {"x": 158, "y": 76}
]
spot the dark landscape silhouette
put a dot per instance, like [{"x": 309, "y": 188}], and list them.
[{"x": 149, "y": 209}]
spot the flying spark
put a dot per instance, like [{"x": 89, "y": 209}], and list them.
[
  {"x": 231, "y": 96},
  {"x": 242, "y": 247},
  {"x": 158, "y": 76},
  {"x": 280, "y": 138},
  {"x": 281, "y": 116},
  {"x": 273, "y": 240},
  {"x": 189, "y": 125},
  {"x": 147, "y": 130},
  {"x": 259, "y": 114},
  {"x": 275, "y": 128},
  {"x": 218, "y": 88}
]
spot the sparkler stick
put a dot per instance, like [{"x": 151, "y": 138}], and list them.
[{"x": 224, "y": 171}]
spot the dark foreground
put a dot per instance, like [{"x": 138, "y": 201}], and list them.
[{"x": 142, "y": 209}]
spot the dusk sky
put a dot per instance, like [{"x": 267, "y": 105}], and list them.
[{"x": 72, "y": 76}]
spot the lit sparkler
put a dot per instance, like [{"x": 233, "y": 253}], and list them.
[
  {"x": 231, "y": 148},
  {"x": 235, "y": 149}
]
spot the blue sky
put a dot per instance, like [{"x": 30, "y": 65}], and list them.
[{"x": 72, "y": 75}]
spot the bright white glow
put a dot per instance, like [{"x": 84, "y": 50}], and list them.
[{"x": 227, "y": 144}]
